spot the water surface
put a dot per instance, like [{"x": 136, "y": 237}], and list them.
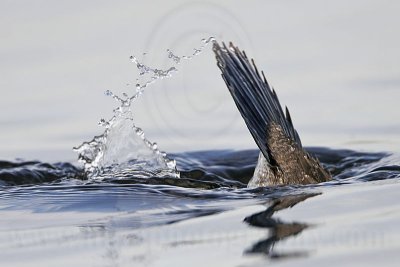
[{"x": 53, "y": 215}]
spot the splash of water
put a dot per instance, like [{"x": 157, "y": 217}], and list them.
[{"x": 123, "y": 145}]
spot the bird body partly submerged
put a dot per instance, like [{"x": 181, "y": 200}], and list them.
[{"x": 282, "y": 160}]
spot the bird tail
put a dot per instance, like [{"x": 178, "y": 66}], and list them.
[{"x": 256, "y": 100}]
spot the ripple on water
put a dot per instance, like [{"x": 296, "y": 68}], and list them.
[{"x": 126, "y": 217}]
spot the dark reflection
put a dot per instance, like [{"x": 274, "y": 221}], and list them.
[
  {"x": 279, "y": 230},
  {"x": 202, "y": 169}
]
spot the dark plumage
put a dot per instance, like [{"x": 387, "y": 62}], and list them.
[{"x": 282, "y": 159}]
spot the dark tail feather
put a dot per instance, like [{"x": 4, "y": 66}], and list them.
[{"x": 255, "y": 99}]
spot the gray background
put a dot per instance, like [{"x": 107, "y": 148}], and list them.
[{"x": 335, "y": 64}]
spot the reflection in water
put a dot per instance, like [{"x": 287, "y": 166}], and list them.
[
  {"x": 196, "y": 219},
  {"x": 279, "y": 230}
]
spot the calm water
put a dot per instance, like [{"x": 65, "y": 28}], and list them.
[{"x": 53, "y": 215}]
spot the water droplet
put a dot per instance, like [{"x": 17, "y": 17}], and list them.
[
  {"x": 139, "y": 132},
  {"x": 154, "y": 146},
  {"x": 175, "y": 58}
]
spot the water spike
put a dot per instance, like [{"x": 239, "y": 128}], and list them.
[{"x": 113, "y": 149}]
